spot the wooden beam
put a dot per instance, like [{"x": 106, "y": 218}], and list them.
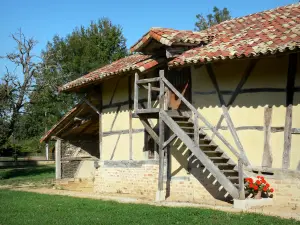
[
  {"x": 203, "y": 158},
  {"x": 92, "y": 106},
  {"x": 267, "y": 159},
  {"x": 152, "y": 88},
  {"x": 150, "y": 130},
  {"x": 172, "y": 52},
  {"x": 240, "y": 85},
  {"x": 241, "y": 180},
  {"x": 58, "y": 159},
  {"x": 115, "y": 147},
  {"x": 130, "y": 116},
  {"x": 114, "y": 92},
  {"x": 170, "y": 139},
  {"x": 201, "y": 117},
  {"x": 226, "y": 113},
  {"x": 149, "y": 80},
  {"x": 160, "y": 188},
  {"x": 100, "y": 121},
  {"x": 47, "y": 150},
  {"x": 291, "y": 76},
  {"x": 136, "y": 92},
  {"x": 149, "y": 96}
]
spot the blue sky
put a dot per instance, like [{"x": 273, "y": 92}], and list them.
[{"x": 43, "y": 19}]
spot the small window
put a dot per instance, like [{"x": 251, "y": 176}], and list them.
[{"x": 150, "y": 147}]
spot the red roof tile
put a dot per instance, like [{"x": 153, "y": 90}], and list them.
[
  {"x": 267, "y": 32},
  {"x": 170, "y": 37},
  {"x": 134, "y": 62}
]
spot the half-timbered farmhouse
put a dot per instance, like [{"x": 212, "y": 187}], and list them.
[{"x": 189, "y": 114}]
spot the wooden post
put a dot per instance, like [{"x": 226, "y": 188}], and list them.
[
  {"x": 267, "y": 159},
  {"x": 47, "y": 151},
  {"x": 130, "y": 117},
  {"x": 149, "y": 95},
  {"x": 58, "y": 158},
  {"x": 100, "y": 122},
  {"x": 241, "y": 180},
  {"x": 136, "y": 92},
  {"x": 196, "y": 130},
  {"x": 292, "y": 70},
  {"x": 160, "y": 196}
]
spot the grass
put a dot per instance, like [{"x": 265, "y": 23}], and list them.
[
  {"x": 27, "y": 175},
  {"x": 31, "y": 208}
]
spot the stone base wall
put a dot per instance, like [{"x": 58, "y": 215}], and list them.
[{"x": 139, "y": 178}]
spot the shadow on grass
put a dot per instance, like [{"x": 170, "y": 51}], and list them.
[{"x": 26, "y": 172}]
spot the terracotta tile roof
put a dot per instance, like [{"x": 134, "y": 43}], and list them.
[
  {"x": 65, "y": 118},
  {"x": 170, "y": 37},
  {"x": 134, "y": 62},
  {"x": 267, "y": 32}
]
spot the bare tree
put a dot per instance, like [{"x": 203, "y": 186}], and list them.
[{"x": 15, "y": 90}]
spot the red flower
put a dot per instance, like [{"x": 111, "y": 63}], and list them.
[
  {"x": 250, "y": 180},
  {"x": 267, "y": 185},
  {"x": 258, "y": 182},
  {"x": 265, "y": 188},
  {"x": 261, "y": 177},
  {"x": 255, "y": 187},
  {"x": 272, "y": 190},
  {"x": 251, "y": 185},
  {"x": 263, "y": 181},
  {"x": 258, "y": 177}
]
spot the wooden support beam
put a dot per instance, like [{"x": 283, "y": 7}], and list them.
[
  {"x": 115, "y": 147},
  {"x": 92, "y": 106},
  {"x": 130, "y": 116},
  {"x": 239, "y": 87},
  {"x": 196, "y": 130},
  {"x": 47, "y": 150},
  {"x": 58, "y": 158},
  {"x": 152, "y": 88},
  {"x": 160, "y": 193},
  {"x": 267, "y": 158},
  {"x": 226, "y": 113},
  {"x": 149, "y": 96},
  {"x": 150, "y": 130},
  {"x": 170, "y": 139},
  {"x": 291, "y": 76},
  {"x": 241, "y": 180},
  {"x": 136, "y": 92},
  {"x": 100, "y": 121},
  {"x": 149, "y": 80}
]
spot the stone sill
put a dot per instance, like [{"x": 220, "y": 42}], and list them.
[{"x": 249, "y": 203}]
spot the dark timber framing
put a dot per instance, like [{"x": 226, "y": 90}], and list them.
[
  {"x": 130, "y": 115},
  {"x": 291, "y": 75},
  {"x": 225, "y": 112},
  {"x": 100, "y": 121}
]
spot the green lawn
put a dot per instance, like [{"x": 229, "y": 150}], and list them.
[
  {"x": 30, "y": 208},
  {"x": 27, "y": 175}
]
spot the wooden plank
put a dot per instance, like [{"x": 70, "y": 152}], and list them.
[
  {"x": 161, "y": 133},
  {"x": 152, "y": 88},
  {"x": 58, "y": 159},
  {"x": 226, "y": 113},
  {"x": 149, "y": 129},
  {"x": 145, "y": 81},
  {"x": 92, "y": 106},
  {"x": 196, "y": 130},
  {"x": 222, "y": 179},
  {"x": 267, "y": 159},
  {"x": 115, "y": 90},
  {"x": 241, "y": 180},
  {"x": 170, "y": 139},
  {"x": 115, "y": 118},
  {"x": 115, "y": 147},
  {"x": 136, "y": 92},
  {"x": 130, "y": 117},
  {"x": 201, "y": 117},
  {"x": 240, "y": 85},
  {"x": 149, "y": 96},
  {"x": 291, "y": 76}
]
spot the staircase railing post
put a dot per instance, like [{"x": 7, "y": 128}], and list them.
[
  {"x": 160, "y": 195},
  {"x": 136, "y": 92},
  {"x": 196, "y": 129},
  {"x": 241, "y": 180}
]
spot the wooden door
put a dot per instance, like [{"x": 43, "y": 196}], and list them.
[{"x": 181, "y": 80}]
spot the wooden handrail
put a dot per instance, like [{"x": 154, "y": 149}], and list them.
[{"x": 201, "y": 117}]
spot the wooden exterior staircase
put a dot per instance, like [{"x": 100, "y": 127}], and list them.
[{"x": 185, "y": 126}]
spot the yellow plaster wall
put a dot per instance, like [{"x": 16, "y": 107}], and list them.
[{"x": 248, "y": 108}]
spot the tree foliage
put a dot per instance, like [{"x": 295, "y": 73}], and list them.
[
  {"x": 63, "y": 60},
  {"x": 217, "y": 17}
]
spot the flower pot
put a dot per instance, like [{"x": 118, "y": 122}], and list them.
[{"x": 257, "y": 195}]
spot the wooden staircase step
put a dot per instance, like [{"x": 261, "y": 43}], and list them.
[
  {"x": 233, "y": 178},
  {"x": 224, "y": 166},
  {"x": 219, "y": 159},
  {"x": 230, "y": 172},
  {"x": 213, "y": 153}
]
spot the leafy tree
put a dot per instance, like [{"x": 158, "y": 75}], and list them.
[
  {"x": 217, "y": 17},
  {"x": 14, "y": 92},
  {"x": 66, "y": 59}
]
